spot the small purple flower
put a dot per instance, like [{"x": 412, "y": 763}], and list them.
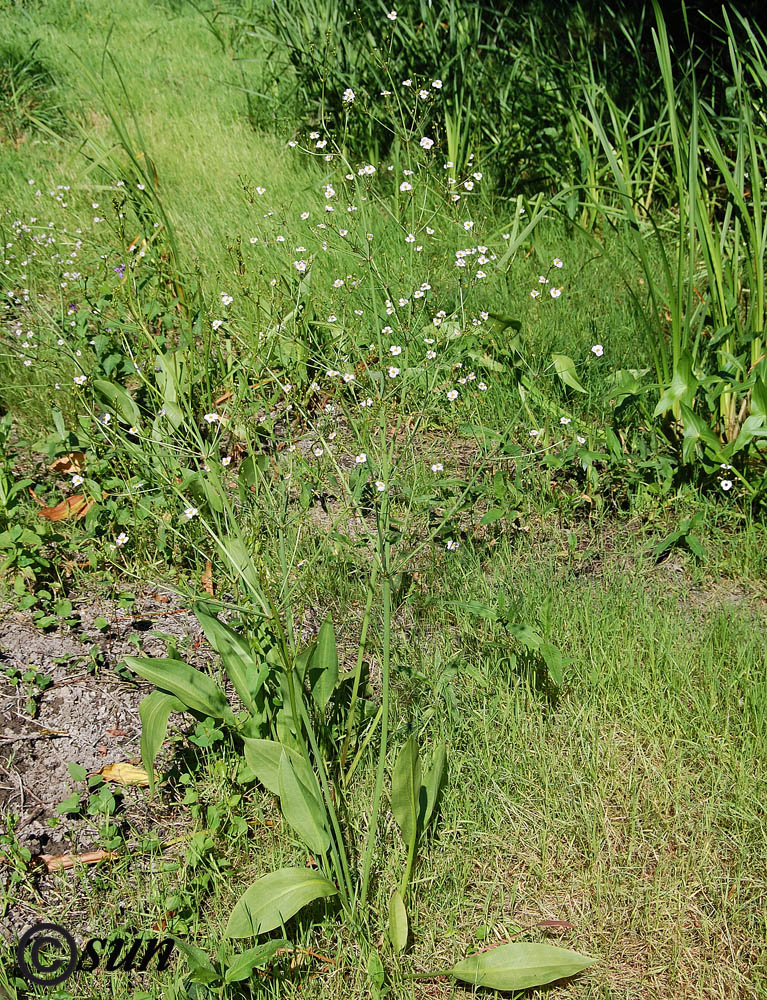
[
  {"x": 72, "y": 308},
  {"x": 120, "y": 269}
]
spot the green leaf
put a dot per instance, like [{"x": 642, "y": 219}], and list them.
[
  {"x": 241, "y": 966},
  {"x": 432, "y": 786},
  {"x": 154, "y": 712},
  {"x": 696, "y": 429},
  {"x": 77, "y": 771},
  {"x": 323, "y": 665},
  {"x": 565, "y": 368},
  {"x": 527, "y": 636},
  {"x": 263, "y": 758},
  {"x": 553, "y": 660},
  {"x": 683, "y": 386},
  {"x": 398, "y": 928},
  {"x": 201, "y": 967},
  {"x": 195, "y": 689},
  {"x": 406, "y": 790},
  {"x": 273, "y": 899},
  {"x": 120, "y": 401},
  {"x": 302, "y": 807},
  {"x": 241, "y": 667},
  {"x": 520, "y": 966}
]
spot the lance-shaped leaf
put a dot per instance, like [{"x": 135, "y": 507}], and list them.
[
  {"x": 302, "y": 807},
  {"x": 241, "y": 966},
  {"x": 195, "y": 689},
  {"x": 263, "y": 758},
  {"x": 429, "y": 797},
  {"x": 398, "y": 928},
  {"x": 273, "y": 899},
  {"x": 565, "y": 368},
  {"x": 520, "y": 966},
  {"x": 406, "y": 790},
  {"x": 323, "y": 665},
  {"x": 244, "y": 671},
  {"x": 154, "y": 712}
]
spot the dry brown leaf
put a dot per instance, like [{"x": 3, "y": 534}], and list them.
[
  {"x": 76, "y": 506},
  {"x": 207, "y": 578},
  {"x": 124, "y": 773},
  {"x": 55, "y": 862},
  {"x": 67, "y": 465},
  {"x": 223, "y": 398}
]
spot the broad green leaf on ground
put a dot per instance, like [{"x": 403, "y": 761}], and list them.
[
  {"x": 121, "y": 401},
  {"x": 273, "y": 899},
  {"x": 241, "y": 966},
  {"x": 302, "y": 807},
  {"x": 432, "y": 785},
  {"x": 520, "y": 966},
  {"x": 398, "y": 927},
  {"x": 195, "y": 689},
  {"x": 683, "y": 386}
]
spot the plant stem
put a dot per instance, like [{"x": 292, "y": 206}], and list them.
[{"x": 358, "y": 669}]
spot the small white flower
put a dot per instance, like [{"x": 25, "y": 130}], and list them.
[
  {"x": 598, "y": 350},
  {"x": 260, "y": 190},
  {"x": 121, "y": 539},
  {"x": 451, "y": 545},
  {"x": 80, "y": 379},
  {"x": 190, "y": 512},
  {"x": 564, "y": 421},
  {"x": 580, "y": 439},
  {"x": 395, "y": 349},
  {"x": 452, "y": 395},
  {"x": 410, "y": 238},
  {"x": 362, "y": 457},
  {"x": 318, "y": 451},
  {"x": 534, "y": 294},
  {"x": 557, "y": 262},
  {"x": 468, "y": 225},
  {"x": 211, "y": 418},
  {"x": 217, "y": 323},
  {"x": 226, "y": 460},
  {"x": 404, "y": 186},
  {"x": 431, "y": 355},
  {"x": 437, "y": 467},
  {"x": 393, "y": 372},
  {"x": 392, "y": 15},
  {"x": 338, "y": 283},
  {"x": 380, "y": 485},
  {"x": 423, "y": 94},
  {"x": 77, "y": 480},
  {"x": 726, "y": 484},
  {"x": 407, "y": 83},
  {"x": 481, "y": 386},
  {"x": 226, "y": 299},
  {"x": 299, "y": 265},
  {"x": 555, "y": 293},
  {"x": 304, "y": 216},
  {"x": 437, "y": 84},
  {"x": 348, "y": 96}
]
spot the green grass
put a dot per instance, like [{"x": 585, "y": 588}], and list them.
[{"x": 624, "y": 803}]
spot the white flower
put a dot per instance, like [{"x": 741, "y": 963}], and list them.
[
  {"x": 226, "y": 460},
  {"x": 407, "y": 83},
  {"x": 426, "y": 142},
  {"x": 304, "y": 216},
  {"x": 477, "y": 175},
  {"x": 451, "y": 545},
  {"x": 338, "y": 283},
  {"x": 437, "y": 84},
  {"x": 564, "y": 421},
  {"x": 481, "y": 386},
  {"x": 452, "y": 395},
  {"x": 121, "y": 539},
  {"x": 362, "y": 457},
  {"x": 190, "y": 512},
  {"x": 726, "y": 484},
  {"x": 217, "y": 323},
  {"x": 469, "y": 185},
  {"x": 468, "y": 225},
  {"x": 555, "y": 293},
  {"x": 437, "y": 467},
  {"x": 299, "y": 265},
  {"x": 392, "y": 15},
  {"x": 348, "y": 96},
  {"x": 431, "y": 355},
  {"x": 260, "y": 190},
  {"x": 80, "y": 379},
  {"x": 410, "y": 238},
  {"x": 226, "y": 299},
  {"x": 404, "y": 186},
  {"x": 557, "y": 262},
  {"x": 393, "y": 372},
  {"x": 423, "y": 94},
  {"x": 598, "y": 350},
  {"x": 534, "y": 294},
  {"x": 77, "y": 480},
  {"x": 380, "y": 485},
  {"x": 211, "y": 418},
  {"x": 580, "y": 439},
  {"x": 329, "y": 191},
  {"x": 318, "y": 451},
  {"x": 395, "y": 349},
  {"x": 542, "y": 279}
]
